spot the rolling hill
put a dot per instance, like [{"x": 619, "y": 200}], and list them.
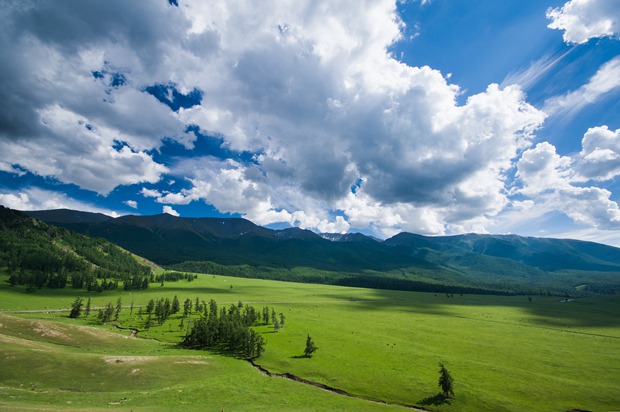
[{"x": 498, "y": 262}]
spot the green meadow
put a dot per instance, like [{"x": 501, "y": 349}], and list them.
[{"x": 506, "y": 353}]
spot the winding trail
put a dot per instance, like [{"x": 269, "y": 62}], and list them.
[{"x": 328, "y": 388}]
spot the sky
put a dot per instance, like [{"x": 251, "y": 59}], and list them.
[{"x": 436, "y": 117}]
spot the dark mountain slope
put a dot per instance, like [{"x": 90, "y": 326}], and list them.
[
  {"x": 542, "y": 253},
  {"x": 68, "y": 216},
  {"x": 166, "y": 239},
  {"x": 503, "y": 262}
]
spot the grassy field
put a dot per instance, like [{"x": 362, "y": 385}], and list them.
[{"x": 505, "y": 353}]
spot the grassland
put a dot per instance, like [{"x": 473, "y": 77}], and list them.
[{"x": 505, "y": 353}]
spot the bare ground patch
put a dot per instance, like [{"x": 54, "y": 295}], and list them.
[
  {"x": 49, "y": 329},
  {"x": 128, "y": 359}
]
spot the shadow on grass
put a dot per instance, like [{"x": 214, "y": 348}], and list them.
[
  {"x": 436, "y": 400},
  {"x": 299, "y": 357},
  {"x": 547, "y": 311}
]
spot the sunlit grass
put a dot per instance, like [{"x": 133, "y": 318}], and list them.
[{"x": 505, "y": 353}]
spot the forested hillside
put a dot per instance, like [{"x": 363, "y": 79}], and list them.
[
  {"x": 39, "y": 255},
  {"x": 451, "y": 264}
]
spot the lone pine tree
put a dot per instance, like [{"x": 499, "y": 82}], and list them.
[
  {"x": 310, "y": 347},
  {"x": 445, "y": 381}
]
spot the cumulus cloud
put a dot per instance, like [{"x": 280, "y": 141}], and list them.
[
  {"x": 169, "y": 210},
  {"x": 321, "y": 127},
  {"x": 325, "y": 105},
  {"x": 582, "y": 20},
  {"x": 74, "y": 153},
  {"x": 541, "y": 169},
  {"x": 131, "y": 203},
  {"x": 39, "y": 199},
  {"x": 599, "y": 158},
  {"x": 60, "y": 120},
  {"x": 555, "y": 183}
]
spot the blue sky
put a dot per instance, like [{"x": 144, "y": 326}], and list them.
[{"x": 434, "y": 116}]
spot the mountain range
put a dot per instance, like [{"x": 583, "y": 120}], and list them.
[{"x": 496, "y": 262}]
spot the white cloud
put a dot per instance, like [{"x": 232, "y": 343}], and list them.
[
  {"x": 169, "y": 210},
  {"x": 606, "y": 80},
  {"x": 553, "y": 182},
  {"x": 316, "y": 93},
  {"x": 19, "y": 201},
  {"x": 313, "y": 93},
  {"x": 72, "y": 153},
  {"x": 150, "y": 192},
  {"x": 338, "y": 226},
  {"x": 599, "y": 158},
  {"x": 528, "y": 76},
  {"x": 131, "y": 203},
  {"x": 54, "y": 109},
  {"x": 582, "y": 20},
  {"x": 611, "y": 237},
  {"x": 541, "y": 169},
  {"x": 39, "y": 199}
]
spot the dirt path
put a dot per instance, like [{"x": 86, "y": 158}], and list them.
[{"x": 328, "y": 388}]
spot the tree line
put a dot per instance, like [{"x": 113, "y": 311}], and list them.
[{"x": 379, "y": 280}]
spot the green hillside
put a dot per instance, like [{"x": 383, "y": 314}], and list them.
[{"x": 39, "y": 255}]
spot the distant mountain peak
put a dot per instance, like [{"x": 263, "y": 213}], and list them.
[
  {"x": 348, "y": 237},
  {"x": 68, "y": 216}
]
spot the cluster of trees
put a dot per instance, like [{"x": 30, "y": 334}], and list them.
[
  {"x": 175, "y": 277},
  {"x": 104, "y": 315},
  {"x": 161, "y": 309},
  {"x": 228, "y": 329}
]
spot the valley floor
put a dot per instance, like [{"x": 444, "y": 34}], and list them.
[{"x": 505, "y": 353}]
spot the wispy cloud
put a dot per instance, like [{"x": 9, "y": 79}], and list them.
[
  {"x": 606, "y": 80},
  {"x": 529, "y": 76}
]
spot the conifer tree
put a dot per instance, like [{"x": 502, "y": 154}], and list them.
[
  {"x": 445, "y": 381},
  {"x": 175, "y": 305},
  {"x": 310, "y": 347},
  {"x": 76, "y": 308},
  {"x": 187, "y": 307},
  {"x": 150, "y": 306},
  {"x": 149, "y": 322},
  {"x": 118, "y": 309}
]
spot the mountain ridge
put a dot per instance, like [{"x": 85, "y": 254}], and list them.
[{"x": 480, "y": 259}]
